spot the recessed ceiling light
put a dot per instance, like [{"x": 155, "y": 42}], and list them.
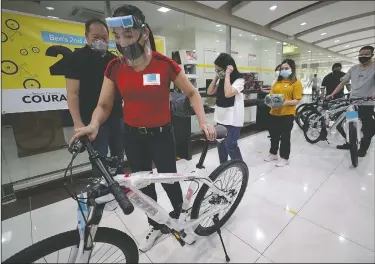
[
  {"x": 320, "y": 54},
  {"x": 272, "y": 8},
  {"x": 217, "y": 40},
  {"x": 163, "y": 9},
  {"x": 253, "y": 35},
  {"x": 278, "y": 42},
  {"x": 50, "y": 8},
  {"x": 278, "y": 53},
  {"x": 218, "y": 25},
  {"x": 303, "y": 57},
  {"x": 256, "y": 39},
  {"x": 347, "y": 46},
  {"x": 53, "y": 17},
  {"x": 323, "y": 34},
  {"x": 309, "y": 51},
  {"x": 329, "y": 56},
  {"x": 240, "y": 35},
  {"x": 304, "y": 23},
  {"x": 220, "y": 30},
  {"x": 337, "y": 40},
  {"x": 269, "y": 60},
  {"x": 265, "y": 50}
]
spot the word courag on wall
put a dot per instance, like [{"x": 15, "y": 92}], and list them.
[{"x": 53, "y": 37}]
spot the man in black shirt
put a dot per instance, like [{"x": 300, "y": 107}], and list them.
[
  {"x": 333, "y": 79},
  {"x": 84, "y": 78}
]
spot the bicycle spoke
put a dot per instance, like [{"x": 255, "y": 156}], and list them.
[{"x": 110, "y": 255}]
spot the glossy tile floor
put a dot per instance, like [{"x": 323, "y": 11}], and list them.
[{"x": 317, "y": 209}]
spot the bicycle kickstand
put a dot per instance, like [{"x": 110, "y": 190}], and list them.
[{"x": 216, "y": 221}]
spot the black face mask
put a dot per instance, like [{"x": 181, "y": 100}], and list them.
[
  {"x": 133, "y": 51},
  {"x": 336, "y": 71},
  {"x": 364, "y": 60}
]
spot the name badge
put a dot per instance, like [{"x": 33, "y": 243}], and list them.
[{"x": 151, "y": 79}]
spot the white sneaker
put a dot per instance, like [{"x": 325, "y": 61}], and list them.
[
  {"x": 282, "y": 163},
  {"x": 271, "y": 157},
  {"x": 149, "y": 240}
]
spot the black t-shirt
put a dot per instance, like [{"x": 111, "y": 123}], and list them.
[
  {"x": 331, "y": 81},
  {"x": 88, "y": 66}
]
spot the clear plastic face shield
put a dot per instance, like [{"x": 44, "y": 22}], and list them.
[{"x": 131, "y": 37}]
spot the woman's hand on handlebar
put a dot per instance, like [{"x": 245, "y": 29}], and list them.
[
  {"x": 209, "y": 130},
  {"x": 91, "y": 131}
]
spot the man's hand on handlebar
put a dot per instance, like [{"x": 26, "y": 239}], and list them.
[
  {"x": 91, "y": 131},
  {"x": 329, "y": 97}
]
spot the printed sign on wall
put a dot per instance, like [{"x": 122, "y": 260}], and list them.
[{"x": 34, "y": 55}]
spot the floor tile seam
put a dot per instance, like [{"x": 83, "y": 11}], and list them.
[
  {"x": 325, "y": 228},
  {"x": 242, "y": 240}
]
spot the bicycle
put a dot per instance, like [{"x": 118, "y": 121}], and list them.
[
  {"x": 125, "y": 189},
  {"x": 347, "y": 111}
]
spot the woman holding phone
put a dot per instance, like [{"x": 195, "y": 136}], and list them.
[{"x": 228, "y": 85}]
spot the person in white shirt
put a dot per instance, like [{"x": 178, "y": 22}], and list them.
[
  {"x": 314, "y": 88},
  {"x": 228, "y": 85}
]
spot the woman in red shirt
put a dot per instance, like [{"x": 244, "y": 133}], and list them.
[{"x": 143, "y": 78}]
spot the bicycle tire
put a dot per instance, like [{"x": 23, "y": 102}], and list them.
[
  {"x": 70, "y": 238},
  {"x": 353, "y": 143},
  {"x": 307, "y": 126},
  {"x": 301, "y": 115},
  {"x": 206, "y": 231}
]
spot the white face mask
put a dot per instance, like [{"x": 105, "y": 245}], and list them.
[
  {"x": 100, "y": 46},
  {"x": 277, "y": 73}
]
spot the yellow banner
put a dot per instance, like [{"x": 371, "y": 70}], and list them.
[{"x": 34, "y": 52}]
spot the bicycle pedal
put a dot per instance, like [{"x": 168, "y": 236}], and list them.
[{"x": 178, "y": 237}]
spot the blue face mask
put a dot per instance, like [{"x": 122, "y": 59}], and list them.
[{"x": 285, "y": 73}]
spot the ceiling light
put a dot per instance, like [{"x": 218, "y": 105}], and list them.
[
  {"x": 329, "y": 56},
  {"x": 278, "y": 53},
  {"x": 269, "y": 60},
  {"x": 265, "y": 50},
  {"x": 347, "y": 46},
  {"x": 220, "y": 30},
  {"x": 337, "y": 40},
  {"x": 278, "y": 42},
  {"x": 253, "y": 35},
  {"x": 309, "y": 51},
  {"x": 304, "y": 23},
  {"x": 320, "y": 54},
  {"x": 256, "y": 39},
  {"x": 218, "y": 25},
  {"x": 272, "y": 8},
  {"x": 240, "y": 35},
  {"x": 323, "y": 34},
  {"x": 53, "y": 17},
  {"x": 163, "y": 9},
  {"x": 50, "y": 8},
  {"x": 217, "y": 41}
]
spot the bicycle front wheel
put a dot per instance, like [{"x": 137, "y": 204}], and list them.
[
  {"x": 353, "y": 142},
  {"x": 234, "y": 187},
  {"x": 58, "y": 249}
]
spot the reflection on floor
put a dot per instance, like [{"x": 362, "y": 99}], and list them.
[{"x": 317, "y": 209}]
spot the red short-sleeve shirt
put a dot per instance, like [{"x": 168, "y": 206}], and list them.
[{"x": 145, "y": 93}]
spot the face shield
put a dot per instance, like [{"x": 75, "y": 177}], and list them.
[{"x": 130, "y": 37}]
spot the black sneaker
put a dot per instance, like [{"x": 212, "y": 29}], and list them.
[
  {"x": 344, "y": 146},
  {"x": 361, "y": 153}
]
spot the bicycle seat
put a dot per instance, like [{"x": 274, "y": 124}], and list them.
[{"x": 221, "y": 132}]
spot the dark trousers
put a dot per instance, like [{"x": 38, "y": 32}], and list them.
[
  {"x": 280, "y": 131},
  {"x": 159, "y": 147},
  {"x": 110, "y": 135},
  {"x": 229, "y": 146},
  {"x": 366, "y": 114}
]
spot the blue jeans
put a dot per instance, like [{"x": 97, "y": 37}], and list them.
[
  {"x": 110, "y": 134},
  {"x": 230, "y": 145}
]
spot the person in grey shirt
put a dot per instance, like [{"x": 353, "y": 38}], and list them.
[{"x": 362, "y": 76}]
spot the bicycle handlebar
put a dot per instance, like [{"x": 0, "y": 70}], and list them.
[{"x": 113, "y": 186}]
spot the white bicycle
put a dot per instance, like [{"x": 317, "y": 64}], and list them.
[{"x": 214, "y": 204}]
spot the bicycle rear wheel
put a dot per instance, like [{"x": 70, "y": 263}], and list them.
[
  {"x": 353, "y": 142},
  {"x": 127, "y": 251},
  {"x": 235, "y": 188},
  {"x": 314, "y": 128}
]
